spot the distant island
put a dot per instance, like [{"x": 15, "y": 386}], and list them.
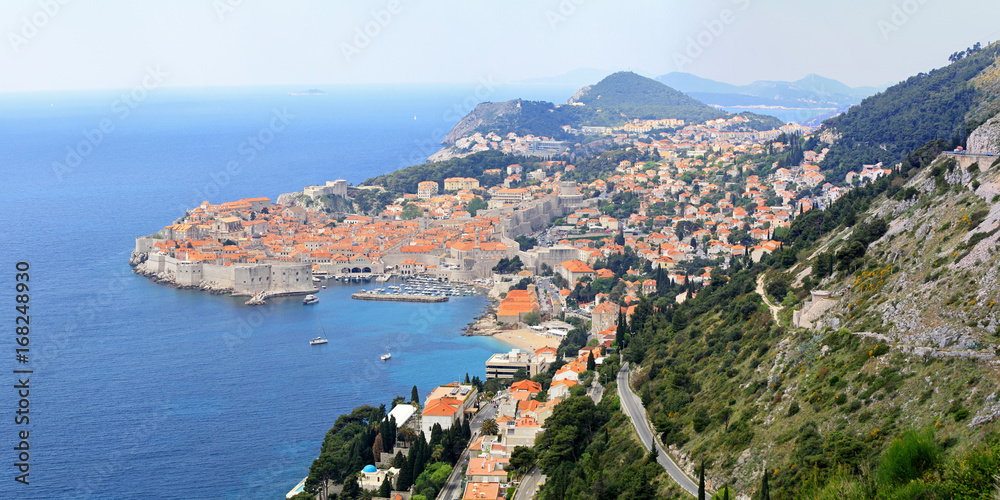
[{"x": 308, "y": 92}]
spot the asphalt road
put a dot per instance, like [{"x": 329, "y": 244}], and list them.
[
  {"x": 632, "y": 406},
  {"x": 596, "y": 392},
  {"x": 526, "y": 490},
  {"x": 452, "y": 488}
]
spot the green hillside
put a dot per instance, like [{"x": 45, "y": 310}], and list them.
[
  {"x": 891, "y": 394},
  {"x": 628, "y": 95},
  {"x": 946, "y": 103}
]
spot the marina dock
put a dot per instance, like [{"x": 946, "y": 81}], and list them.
[{"x": 399, "y": 297}]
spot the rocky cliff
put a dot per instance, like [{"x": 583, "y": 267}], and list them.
[
  {"x": 486, "y": 112},
  {"x": 930, "y": 282},
  {"x": 986, "y": 138}
]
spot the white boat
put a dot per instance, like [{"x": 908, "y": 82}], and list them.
[
  {"x": 321, "y": 339},
  {"x": 387, "y": 355},
  {"x": 310, "y": 299}
]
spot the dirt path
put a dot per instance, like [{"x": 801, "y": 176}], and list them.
[{"x": 760, "y": 291}]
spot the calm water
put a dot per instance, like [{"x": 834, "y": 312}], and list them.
[{"x": 143, "y": 390}]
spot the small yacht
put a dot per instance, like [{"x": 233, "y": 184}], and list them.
[
  {"x": 310, "y": 299},
  {"x": 387, "y": 355},
  {"x": 321, "y": 339}
]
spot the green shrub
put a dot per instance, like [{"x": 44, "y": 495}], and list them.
[
  {"x": 961, "y": 414},
  {"x": 907, "y": 458},
  {"x": 719, "y": 495},
  {"x": 701, "y": 420},
  {"x": 793, "y": 408}
]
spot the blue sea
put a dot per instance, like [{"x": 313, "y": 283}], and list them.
[{"x": 142, "y": 390}]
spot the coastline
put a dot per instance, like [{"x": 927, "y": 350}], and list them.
[{"x": 527, "y": 340}]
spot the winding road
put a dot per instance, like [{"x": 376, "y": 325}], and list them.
[
  {"x": 632, "y": 407},
  {"x": 760, "y": 291}
]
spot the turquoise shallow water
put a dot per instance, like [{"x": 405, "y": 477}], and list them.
[{"x": 140, "y": 389}]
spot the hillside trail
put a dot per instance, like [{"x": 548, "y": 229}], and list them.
[{"x": 760, "y": 291}]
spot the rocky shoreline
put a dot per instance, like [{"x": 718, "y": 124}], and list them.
[
  {"x": 168, "y": 279},
  {"x": 485, "y": 324}
]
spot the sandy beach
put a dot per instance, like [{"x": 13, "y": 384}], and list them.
[{"x": 527, "y": 340}]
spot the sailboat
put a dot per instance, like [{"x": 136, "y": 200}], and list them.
[
  {"x": 387, "y": 355},
  {"x": 319, "y": 340}
]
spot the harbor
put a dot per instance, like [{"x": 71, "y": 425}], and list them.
[{"x": 399, "y": 297}]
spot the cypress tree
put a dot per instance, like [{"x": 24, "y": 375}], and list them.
[
  {"x": 385, "y": 489},
  {"x": 725, "y": 492},
  {"x": 620, "y": 333},
  {"x": 390, "y": 443},
  {"x": 701, "y": 482},
  {"x": 765, "y": 489},
  {"x": 414, "y": 398},
  {"x": 591, "y": 365},
  {"x": 352, "y": 489},
  {"x": 405, "y": 478}
]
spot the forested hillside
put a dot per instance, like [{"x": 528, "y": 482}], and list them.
[
  {"x": 891, "y": 394},
  {"x": 406, "y": 180},
  {"x": 626, "y": 94},
  {"x": 946, "y": 103}
]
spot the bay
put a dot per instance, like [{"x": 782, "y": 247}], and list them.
[{"x": 140, "y": 389}]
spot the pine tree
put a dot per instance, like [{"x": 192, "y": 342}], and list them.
[{"x": 701, "y": 482}]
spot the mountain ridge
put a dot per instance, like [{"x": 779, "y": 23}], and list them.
[
  {"x": 687, "y": 83},
  {"x": 626, "y": 96}
]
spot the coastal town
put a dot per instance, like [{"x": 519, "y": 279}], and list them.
[{"x": 539, "y": 239}]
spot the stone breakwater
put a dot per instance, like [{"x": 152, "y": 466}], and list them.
[{"x": 398, "y": 297}]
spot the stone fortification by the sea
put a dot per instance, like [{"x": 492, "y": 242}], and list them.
[{"x": 238, "y": 279}]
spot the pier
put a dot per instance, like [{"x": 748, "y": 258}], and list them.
[{"x": 399, "y": 297}]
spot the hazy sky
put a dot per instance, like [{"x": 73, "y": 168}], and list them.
[{"x": 67, "y": 44}]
